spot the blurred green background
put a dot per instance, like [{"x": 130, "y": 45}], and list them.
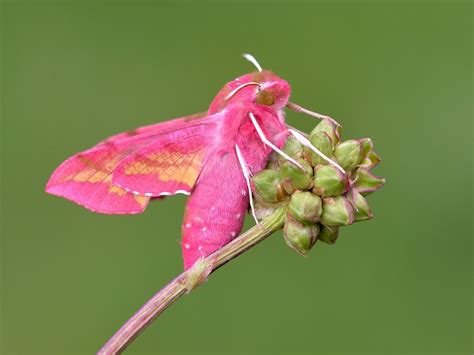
[{"x": 399, "y": 72}]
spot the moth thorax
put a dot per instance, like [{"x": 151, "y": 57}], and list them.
[{"x": 265, "y": 97}]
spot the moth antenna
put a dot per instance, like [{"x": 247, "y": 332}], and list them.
[
  {"x": 270, "y": 144},
  {"x": 303, "y": 140},
  {"x": 246, "y": 173},
  {"x": 252, "y": 60},
  {"x": 298, "y": 108},
  {"x": 233, "y": 92}
]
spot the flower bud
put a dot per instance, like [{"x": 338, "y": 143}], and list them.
[
  {"x": 305, "y": 206},
  {"x": 366, "y": 182},
  {"x": 293, "y": 178},
  {"x": 330, "y": 127},
  {"x": 362, "y": 209},
  {"x": 274, "y": 162},
  {"x": 300, "y": 237},
  {"x": 329, "y": 181},
  {"x": 337, "y": 211},
  {"x": 370, "y": 160},
  {"x": 323, "y": 143},
  {"x": 349, "y": 154},
  {"x": 293, "y": 148},
  {"x": 328, "y": 234},
  {"x": 267, "y": 186},
  {"x": 367, "y": 145}
]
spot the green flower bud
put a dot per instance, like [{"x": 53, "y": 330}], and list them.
[
  {"x": 362, "y": 209},
  {"x": 300, "y": 237},
  {"x": 366, "y": 182},
  {"x": 323, "y": 143},
  {"x": 305, "y": 207},
  {"x": 367, "y": 145},
  {"x": 293, "y": 148},
  {"x": 293, "y": 178},
  {"x": 274, "y": 162},
  {"x": 371, "y": 160},
  {"x": 349, "y": 154},
  {"x": 267, "y": 186},
  {"x": 337, "y": 211},
  {"x": 330, "y": 127},
  {"x": 328, "y": 234},
  {"x": 329, "y": 181}
]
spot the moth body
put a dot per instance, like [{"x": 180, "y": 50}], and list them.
[{"x": 216, "y": 209}]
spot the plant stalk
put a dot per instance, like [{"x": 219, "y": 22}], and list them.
[{"x": 181, "y": 285}]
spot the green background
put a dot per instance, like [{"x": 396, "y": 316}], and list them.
[{"x": 399, "y": 72}]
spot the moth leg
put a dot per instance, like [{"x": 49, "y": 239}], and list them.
[
  {"x": 297, "y": 130},
  {"x": 303, "y": 140},
  {"x": 270, "y": 144},
  {"x": 246, "y": 172},
  {"x": 298, "y": 108}
]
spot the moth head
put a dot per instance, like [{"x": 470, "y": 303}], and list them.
[
  {"x": 273, "y": 93},
  {"x": 261, "y": 87}
]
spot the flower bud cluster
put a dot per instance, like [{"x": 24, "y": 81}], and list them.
[{"x": 320, "y": 198}]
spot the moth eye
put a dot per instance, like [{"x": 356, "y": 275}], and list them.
[{"x": 265, "y": 97}]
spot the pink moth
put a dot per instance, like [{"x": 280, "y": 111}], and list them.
[{"x": 209, "y": 156}]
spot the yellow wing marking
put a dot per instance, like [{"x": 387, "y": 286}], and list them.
[{"x": 166, "y": 166}]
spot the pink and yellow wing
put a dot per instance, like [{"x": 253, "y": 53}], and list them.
[
  {"x": 169, "y": 166},
  {"x": 86, "y": 179},
  {"x": 168, "y": 162}
]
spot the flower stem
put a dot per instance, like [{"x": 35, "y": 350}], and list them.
[{"x": 181, "y": 285}]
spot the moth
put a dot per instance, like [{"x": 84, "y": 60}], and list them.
[{"x": 209, "y": 156}]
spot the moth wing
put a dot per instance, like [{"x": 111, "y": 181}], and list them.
[
  {"x": 157, "y": 128},
  {"x": 168, "y": 165},
  {"x": 87, "y": 177}
]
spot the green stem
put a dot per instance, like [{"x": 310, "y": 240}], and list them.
[{"x": 183, "y": 283}]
